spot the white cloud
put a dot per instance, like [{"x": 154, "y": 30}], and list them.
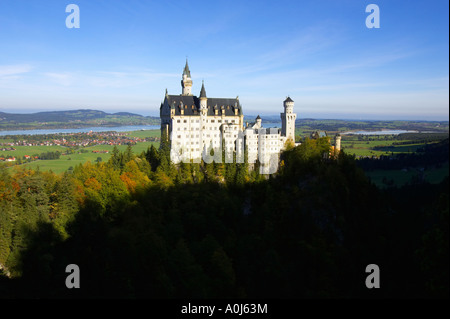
[{"x": 14, "y": 70}]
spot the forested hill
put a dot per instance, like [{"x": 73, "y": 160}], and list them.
[
  {"x": 71, "y": 118},
  {"x": 63, "y": 116},
  {"x": 139, "y": 226}
]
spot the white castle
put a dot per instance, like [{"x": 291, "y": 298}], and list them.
[{"x": 201, "y": 128}]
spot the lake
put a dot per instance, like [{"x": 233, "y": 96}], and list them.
[
  {"x": 271, "y": 124},
  {"x": 157, "y": 127},
  {"x": 83, "y": 129},
  {"x": 101, "y": 129}
]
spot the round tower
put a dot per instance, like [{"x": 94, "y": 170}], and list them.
[
  {"x": 288, "y": 105},
  {"x": 258, "y": 121},
  {"x": 337, "y": 143},
  {"x": 288, "y": 119}
]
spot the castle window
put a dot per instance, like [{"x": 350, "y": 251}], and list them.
[
  {"x": 178, "y": 121},
  {"x": 212, "y": 121},
  {"x": 185, "y": 121}
]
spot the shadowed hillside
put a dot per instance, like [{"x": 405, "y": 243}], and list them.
[{"x": 139, "y": 227}]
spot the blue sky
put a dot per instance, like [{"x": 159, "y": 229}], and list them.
[{"x": 320, "y": 53}]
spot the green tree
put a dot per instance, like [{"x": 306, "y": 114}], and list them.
[
  {"x": 128, "y": 154},
  {"x": 116, "y": 158},
  {"x": 62, "y": 207},
  {"x": 152, "y": 157}
]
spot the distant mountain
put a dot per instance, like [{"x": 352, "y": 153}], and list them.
[
  {"x": 127, "y": 114},
  {"x": 61, "y": 116},
  {"x": 72, "y": 119}
]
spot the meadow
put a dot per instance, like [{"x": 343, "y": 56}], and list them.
[
  {"x": 67, "y": 161},
  {"x": 399, "y": 178},
  {"x": 383, "y": 147},
  {"x": 368, "y": 147}
]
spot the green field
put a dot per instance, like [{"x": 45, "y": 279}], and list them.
[
  {"x": 385, "y": 178},
  {"x": 352, "y": 145},
  {"x": 30, "y": 150},
  {"x": 66, "y": 161},
  {"x": 145, "y": 133},
  {"x": 365, "y": 148}
]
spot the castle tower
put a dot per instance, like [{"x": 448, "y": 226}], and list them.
[
  {"x": 258, "y": 122},
  {"x": 203, "y": 100},
  {"x": 186, "y": 82},
  {"x": 288, "y": 119},
  {"x": 337, "y": 143}
]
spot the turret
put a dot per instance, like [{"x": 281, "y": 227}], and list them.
[
  {"x": 288, "y": 105},
  {"x": 337, "y": 143},
  {"x": 203, "y": 100},
  {"x": 288, "y": 119},
  {"x": 258, "y": 121},
  {"x": 186, "y": 82}
]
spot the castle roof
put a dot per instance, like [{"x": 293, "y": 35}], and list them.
[
  {"x": 288, "y": 99},
  {"x": 318, "y": 134},
  {"x": 191, "y": 105},
  {"x": 203, "y": 91},
  {"x": 186, "y": 70}
]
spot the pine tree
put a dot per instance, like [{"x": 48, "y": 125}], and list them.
[
  {"x": 115, "y": 159},
  {"x": 128, "y": 155},
  {"x": 152, "y": 157}
]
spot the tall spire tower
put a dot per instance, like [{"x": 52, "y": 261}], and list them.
[{"x": 186, "y": 82}]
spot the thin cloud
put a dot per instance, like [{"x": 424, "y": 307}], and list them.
[
  {"x": 106, "y": 79},
  {"x": 14, "y": 70},
  {"x": 286, "y": 50},
  {"x": 64, "y": 79}
]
